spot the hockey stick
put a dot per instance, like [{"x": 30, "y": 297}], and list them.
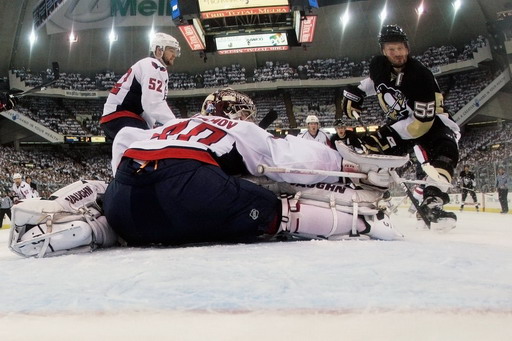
[
  {"x": 394, "y": 208},
  {"x": 407, "y": 190},
  {"x": 359, "y": 119},
  {"x": 269, "y": 118},
  {"x": 264, "y": 169},
  {"x": 474, "y": 190},
  {"x": 56, "y": 76}
]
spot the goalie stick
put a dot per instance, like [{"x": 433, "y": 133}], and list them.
[
  {"x": 269, "y": 118},
  {"x": 263, "y": 169},
  {"x": 56, "y": 76}
]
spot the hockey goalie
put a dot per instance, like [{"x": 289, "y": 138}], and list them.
[
  {"x": 70, "y": 221},
  {"x": 176, "y": 185}
]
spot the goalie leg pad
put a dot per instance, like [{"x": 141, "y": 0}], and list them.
[
  {"x": 322, "y": 220},
  {"x": 64, "y": 237},
  {"x": 67, "y": 237}
]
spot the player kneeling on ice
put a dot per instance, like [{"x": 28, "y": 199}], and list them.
[
  {"x": 175, "y": 184},
  {"x": 70, "y": 221}
]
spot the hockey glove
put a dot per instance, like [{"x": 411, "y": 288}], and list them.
[
  {"x": 352, "y": 101},
  {"x": 385, "y": 141},
  {"x": 7, "y": 101}
]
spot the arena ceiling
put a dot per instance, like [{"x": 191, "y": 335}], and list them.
[{"x": 92, "y": 53}]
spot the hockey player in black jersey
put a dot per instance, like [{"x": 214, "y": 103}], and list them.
[
  {"x": 412, "y": 101},
  {"x": 468, "y": 183},
  {"x": 349, "y": 137}
]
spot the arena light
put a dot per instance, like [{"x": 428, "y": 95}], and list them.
[
  {"x": 72, "y": 38},
  {"x": 383, "y": 15},
  {"x": 345, "y": 18},
  {"x": 457, "y": 4},
  {"x": 420, "y": 9},
  {"x": 151, "y": 34},
  {"x": 112, "y": 36},
  {"x": 32, "y": 38}
]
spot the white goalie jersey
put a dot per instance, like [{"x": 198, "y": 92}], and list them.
[{"x": 187, "y": 138}]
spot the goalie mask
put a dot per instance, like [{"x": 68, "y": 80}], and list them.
[{"x": 229, "y": 103}]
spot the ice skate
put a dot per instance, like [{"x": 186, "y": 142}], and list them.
[{"x": 432, "y": 209}]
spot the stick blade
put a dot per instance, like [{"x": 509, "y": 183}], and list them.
[
  {"x": 269, "y": 118},
  {"x": 56, "y": 70}
]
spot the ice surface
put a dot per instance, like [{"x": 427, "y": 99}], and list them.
[{"x": 432, "y": 286}]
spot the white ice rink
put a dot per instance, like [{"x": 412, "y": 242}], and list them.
[{"x": 432, "y": 286}]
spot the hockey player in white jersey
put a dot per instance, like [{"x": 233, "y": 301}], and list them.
[
  {"x": 138, "y": 99},
  {"x": 174, "y": 184},
  {"x": 313, "y": 131},
  {"x": 21, "y": 189}
]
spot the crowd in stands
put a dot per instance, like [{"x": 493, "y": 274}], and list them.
[
  {"x": 52, "y": 114},
  {"x": 465, "y": 87},
  {"x": 52, "y": 169},
  {"x": 330, "y": 68},
  {"x": 81, "y": 117},
  {"x": 274, "y": 71}
]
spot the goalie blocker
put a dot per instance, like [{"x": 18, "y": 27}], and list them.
[{"x": 70, "y": 221}]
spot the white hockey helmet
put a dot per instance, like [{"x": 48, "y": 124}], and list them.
[
  {"x": 16, "y": 176},
  {"x": 312, "y": 119},
  {"x": 163, "y": 40},
  {"x": 229, "y": 103}
]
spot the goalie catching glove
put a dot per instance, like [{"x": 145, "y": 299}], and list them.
[
  {"x": 352, "y": 101},
  {"x": 70, "y": 222}
]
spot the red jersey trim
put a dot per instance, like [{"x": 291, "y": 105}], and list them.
[
  {"x": 120, "y": 114},
  {"x": 171, "y": 153}
]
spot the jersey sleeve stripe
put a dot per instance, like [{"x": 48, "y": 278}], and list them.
[{"x": 119, "y": 114}]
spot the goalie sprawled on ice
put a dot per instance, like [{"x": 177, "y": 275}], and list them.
[{"x": 175, "y": 184}]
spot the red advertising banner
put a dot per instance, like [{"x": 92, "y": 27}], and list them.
[
  {"x": 307, "y": 29},
  {"x": 254, "y": 49},
  {"x": 192, "y": 37},
  {"x": 245, "y": 11}
]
